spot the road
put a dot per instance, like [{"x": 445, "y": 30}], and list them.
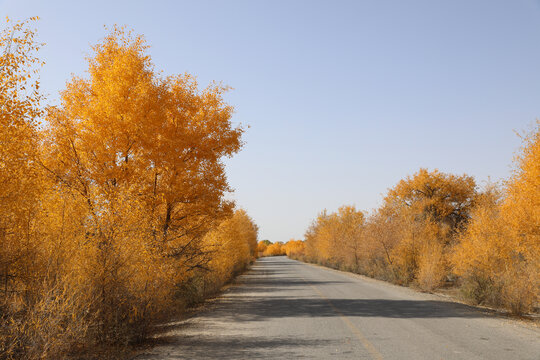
[{"x": 284, "y": 309}]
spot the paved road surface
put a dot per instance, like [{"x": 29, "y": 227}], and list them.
[{"x": 284, "y": 309}]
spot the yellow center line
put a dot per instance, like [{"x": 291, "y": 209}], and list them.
[{"x": 375, "y": 354}]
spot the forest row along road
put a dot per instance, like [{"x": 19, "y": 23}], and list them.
[{"x": 284, "y": 309}]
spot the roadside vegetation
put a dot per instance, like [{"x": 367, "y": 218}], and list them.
[
  {"x": 112, "y": 209},
  {"x": 437, "y": 230},
  {"x": 292, "y": 248}
]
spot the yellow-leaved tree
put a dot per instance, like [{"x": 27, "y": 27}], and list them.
[
  {"x": 112, "y": 213},
  {"x": 432, "y": 208},
  {"x": 275, "y": 249},
  {"x": 229, "y": 249},
  {"x": 335, "y": 239},
  {"x": 20, "y": 183},
  {"x": 498, "y": 257},
  {"x": 144, "y": 154},
  {"x": 407, "y": 239},
  {"x": 261, "y": 247},
  {"x": 294, "y": 249}
]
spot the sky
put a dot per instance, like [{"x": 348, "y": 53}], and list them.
[{"x": 342, "y": 98}]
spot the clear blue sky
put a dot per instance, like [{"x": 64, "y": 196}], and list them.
[{"x": 344, "y": 98}]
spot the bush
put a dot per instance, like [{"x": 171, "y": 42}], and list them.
[{"x": 432, "y": 269}]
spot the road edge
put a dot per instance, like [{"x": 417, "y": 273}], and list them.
[{"x": 530, "y": 320}]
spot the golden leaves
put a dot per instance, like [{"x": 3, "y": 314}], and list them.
[
  {"x": 444, "y": 198},
  {"x": 119, "y": 200},
  {"x": 434, "y": 227},
  {"x": 232, "y": 245},
  {"x": 499, "y": 253}
]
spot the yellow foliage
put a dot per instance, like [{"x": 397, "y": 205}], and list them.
[
  {"x": 275, "y": 249},
  {"x": 521, "y": 207},
  {"x": 336, "y": 239},
  {"x": 404, "y": 241},
  {"x": 435, "y": 228},
  {"x": 114, "y": 213},
  {"x": 232, "y": 247},
  {"x": 20, "y": 183},
  {"x": 498, "y": 256},
  {"x": 294, "y": 248},
  {"x": 484, "y": 242},
  {"x": 432, "y": 266},
  {"x": 439, "y": 197},
  {"x": 261, "y": 248}
]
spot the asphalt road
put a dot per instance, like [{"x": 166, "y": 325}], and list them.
[{"x": 284, "y": 309}]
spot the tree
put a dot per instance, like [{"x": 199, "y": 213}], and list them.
[
  {"x": 20, "y": 182},
  {"x": 433, "y": 207},
  {"x": 144, "y": 153},
  {"x": 261, "y": 247},
  {"x": 275, "y": 249},
  {"x": 231, "y": 247},
  {"x": 351, "y": 227},
  {"x": 498, "y": 256},
  {"x": 521, "y": 207},
  {"x": 336, "y": 238},
  {"x": 444, "y": 198},
  {"x": 294, "y": 248},
  {"x": 114, "y": 211},
  {"x": 125, "y": 133}
]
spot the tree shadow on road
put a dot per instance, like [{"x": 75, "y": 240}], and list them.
[
  {"x": 231, "y": 347},
  {"x": 274, "y": 291},
  {"x": 265, "y": 287},
  {"x": 262, "y": 308}
]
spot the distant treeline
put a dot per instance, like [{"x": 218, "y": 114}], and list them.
[
  {"x": 439, "y": 230},
  {"x": 292, "y": 248},
  {"x": 112, "y": 209}
]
